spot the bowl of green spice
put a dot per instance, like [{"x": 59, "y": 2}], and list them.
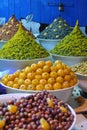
[
  {"x": 21, "y": 50},
  {"x": 72, "y": 49}
]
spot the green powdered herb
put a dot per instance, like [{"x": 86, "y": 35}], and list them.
[
  {"x": 74, "y": 44},
  {"x": 22, "y": 46}
]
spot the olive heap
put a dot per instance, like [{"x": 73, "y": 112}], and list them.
[
  {"x": 22, "y": 47},
  {"x": 43, "y": 75},
  {"x": 41, "y": 111},
  {"x": 73, "y": 44},
  {"x": 58, "y": 29}
]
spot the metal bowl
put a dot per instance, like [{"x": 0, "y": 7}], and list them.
[
  {"x": 82, "y": 81},
  {"x": 69, "y": 60},
  {"x": 2, "y": 43},
  {"x": 62, "y": 94},
  {"x": 13, "y": 65},
  {"x": 48, "y": 43}
]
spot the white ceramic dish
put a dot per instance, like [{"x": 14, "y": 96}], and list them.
[
  {"x": 69, "y": 60},
  {"x": 2, "y": 43},
  {"x": 48, "y": 43},
  {"x": 7, "y": 97},
  {"x": 13, "y": 65},
  {"x": 82, "y": 81},
  {"x": 81, "y": 76},
  {"x": 83, "y": 85},
  {"x": 62, "y": 94}
]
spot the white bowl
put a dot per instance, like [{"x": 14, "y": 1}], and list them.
[
  {"x": 13, "y": 65},
  {"x": 82, "y": 81},
  {"x": 83, "y": 85},
  {"x": 62, "y": 94},
  {"x": 48, "y": 43},
  {"x": 2, "y": 43},
  {"x": 69, "y": 60},
  {"x": 7, "y": 97}
]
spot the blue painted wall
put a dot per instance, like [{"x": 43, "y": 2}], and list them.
[{"x": 45, "y": 13}]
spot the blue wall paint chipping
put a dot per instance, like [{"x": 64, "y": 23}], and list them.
[{"x": 43, "y": 13}]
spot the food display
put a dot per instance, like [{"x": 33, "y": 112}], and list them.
[
  {"x": 22, "y": 47},
  {"x": 81, "y": 71},
  {"x": 58, "y": 29},
  {"x": 74, "y": 44},
  {"x": 41, "y": 111},
  {"x": 8, "y": 30},
  {"x": 43, "y": 75},
  {"x": 80, "y": 68}
]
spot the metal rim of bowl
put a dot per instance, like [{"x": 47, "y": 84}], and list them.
[
  {"x": 34, "y": 91},
  {"x": 41, "y": 39},
  {"x": 25, "y": 59},
  {"x": 68, "y": 56}
]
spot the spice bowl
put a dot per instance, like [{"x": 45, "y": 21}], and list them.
[
  {"x": 48, "y": 44},
  {"x": 69, "y": 60},
  {"x": 17, "y": 97}
]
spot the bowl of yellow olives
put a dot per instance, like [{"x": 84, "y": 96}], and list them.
[{"x": 57, "y": 78}]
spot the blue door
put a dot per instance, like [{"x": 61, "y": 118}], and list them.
[{"x": 45, "y": 11}]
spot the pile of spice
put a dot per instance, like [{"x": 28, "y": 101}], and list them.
[
  {"x": 80, "y": 68},
  {"x": 41, "y": 111},
  {"x": 58, "y": 29},
  {"x": 22, "y": 46},
  {"x": 8, "y": 30},
  {"x": 74, "y": 44}
]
